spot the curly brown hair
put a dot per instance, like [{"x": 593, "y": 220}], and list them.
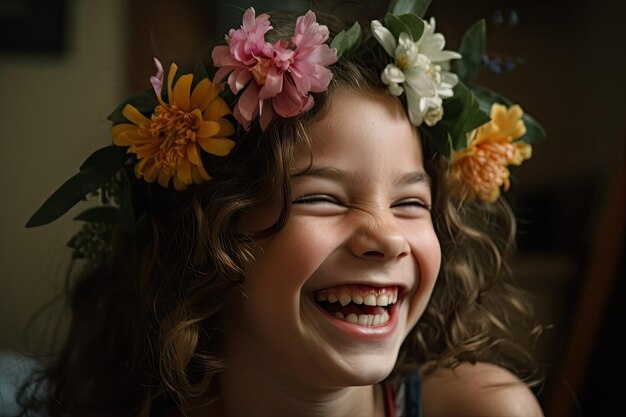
[{"x": 145, "y": 325}]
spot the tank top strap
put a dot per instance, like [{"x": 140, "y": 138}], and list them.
[
  {"x": 404, "y": 400},
  {"x": 413, "y": 396}
]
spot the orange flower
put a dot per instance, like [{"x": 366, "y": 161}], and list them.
[
  {"x": 481, "y": 169},
  {"x": 168, "y": 144}
]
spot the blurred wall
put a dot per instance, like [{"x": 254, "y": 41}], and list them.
[{"x": 53, "y": 114}]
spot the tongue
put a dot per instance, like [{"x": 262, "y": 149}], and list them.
[{"x": 352, "y": 308}]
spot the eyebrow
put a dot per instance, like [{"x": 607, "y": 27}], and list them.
[
  {"x": 337, "y": 174},
  {"x": 414, "y": 177}
]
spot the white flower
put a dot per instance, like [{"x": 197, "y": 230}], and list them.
[
  {"x": 392, "y": 76},
  {"x": 419, "y": 70},
  {"x": 433, "y": 115}
]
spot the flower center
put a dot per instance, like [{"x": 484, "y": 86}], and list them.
[
  {"x": 173, "y": 129},
  {"x": 260, "y": 70},
  {"x": 402, "y": 61}
]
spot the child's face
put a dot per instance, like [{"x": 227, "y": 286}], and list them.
[{"x": 358, "y": 232}]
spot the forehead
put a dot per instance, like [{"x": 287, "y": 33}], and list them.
[{"x": 365, "y": 128}]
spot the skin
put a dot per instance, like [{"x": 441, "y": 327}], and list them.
[
  {"x": 477, "y": 390},
  {"x": 362, "y": 217}
]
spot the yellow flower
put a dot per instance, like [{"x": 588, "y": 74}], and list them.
[
  {"x": 168, "y": 144},
  {"x": 481, "y": 169}
]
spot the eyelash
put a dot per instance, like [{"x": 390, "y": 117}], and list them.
[
  {"x": 320, "y": 198},
  {"x": 315, "y": 198},
  {"x": 413, "y": 202}
]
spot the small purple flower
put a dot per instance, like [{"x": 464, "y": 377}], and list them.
[{"x": 157, "y": 79}]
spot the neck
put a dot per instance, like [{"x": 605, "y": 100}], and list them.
[
  {"x": 250, "y": 387},
  {"x": 249, "y": 392}
]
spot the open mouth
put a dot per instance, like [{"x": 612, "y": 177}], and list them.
[{"x": 359, "y": 304}]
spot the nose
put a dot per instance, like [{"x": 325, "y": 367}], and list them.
[{"x": 378, "y": 237}]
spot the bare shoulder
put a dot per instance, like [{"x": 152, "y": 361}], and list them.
[{"x": 477, "y": 390}]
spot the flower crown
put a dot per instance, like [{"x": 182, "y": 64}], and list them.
[{"x": 167, "y": 132}]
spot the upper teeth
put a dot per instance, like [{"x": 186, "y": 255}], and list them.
[{"x": 345, "y": 296}]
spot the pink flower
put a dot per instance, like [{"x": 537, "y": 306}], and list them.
[
  {"x": 278, "y": 78},
  {"x": 157, "y": 79}
]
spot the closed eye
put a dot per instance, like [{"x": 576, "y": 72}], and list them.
[
  {"x": 316, "y": 199},
  {"x": 412, "y": 202}
]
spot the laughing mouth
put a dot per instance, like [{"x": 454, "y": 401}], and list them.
[{"x": 358, "y": 304}]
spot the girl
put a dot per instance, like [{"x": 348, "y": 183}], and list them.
[{"x": 318, "y": 252}]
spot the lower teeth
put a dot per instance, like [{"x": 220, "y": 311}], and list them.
[{"x": 364, "y": 319}]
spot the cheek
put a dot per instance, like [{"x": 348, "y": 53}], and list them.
[
  {"x": 285, "y": 261},
  {"x": 269, "y": 303},
  {"x": 427, "y": 254},
  {"x": 430, "y": 259}
]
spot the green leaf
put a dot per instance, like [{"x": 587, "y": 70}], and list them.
[
  {"x": 145, "y": 102},
  {"x": 395, "y": 25},
  {"x": 94, "y": 172},
  {"x": 472, "y": 49},
  {"x": 465, "y": 115},
  {"x": 415, "y": 25},
  {"x": 347, "y": 41},
  {"x": 199, "y": 73},
  {"x": 102, "y": 214},
  {"x": 417, "y": 7},
  {"x": 448, "y": 145},
  {"x": 103, "y": 157},
  {"x": 126, "y": 214},
  {"x": 534, "y": 131},
  {"x": 487, "y": 97}
]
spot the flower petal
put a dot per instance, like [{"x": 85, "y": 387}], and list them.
[
  {"x": 181, "y": 92},
  {"x": 267, "y": 115},
  {"x": 198, "y": 174},
  {"x": 273, "y": 84},
  {"x": 392, "y": 75},
  {"x": 221, "y": 73},
  {"x": 309, "y": 76},
  {"x": 208, "y": 129},
  {"x": 157, "y": 79},
  {"x": 238, "y": 80},
  {"x": 119, "y": 133},
  {"x": 130, "y": 137},
  {"x": 202, "y": 95},
  {"x": 290, "y": 102},
  {"x": 170, "y": 80},
  {"x": 226, "y": 128},
  {"x": 248, "y": 105},
  {"x": 395, "y": 90},
  {"x": 217, "y": 109},
  {"x": 413, "y": 98},
  {"x": 420, "y": 82},
  {"x": 163, "y": 179},
  {"x": 150, "y": 171},
  {"x": 178, "y": 184},
  {"x": 216, "y": 146},
  {"x": 193, "y": 155},
  {"x": 184, "y": 173},
  {"x": 134, "y": 116},
  {"x": 145, "y": 150},
  {"x": 307, "y": 30},
  {"x": 384, "y": 37}
]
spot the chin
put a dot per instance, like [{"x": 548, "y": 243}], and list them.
[{"x": 364, "y": 369}]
